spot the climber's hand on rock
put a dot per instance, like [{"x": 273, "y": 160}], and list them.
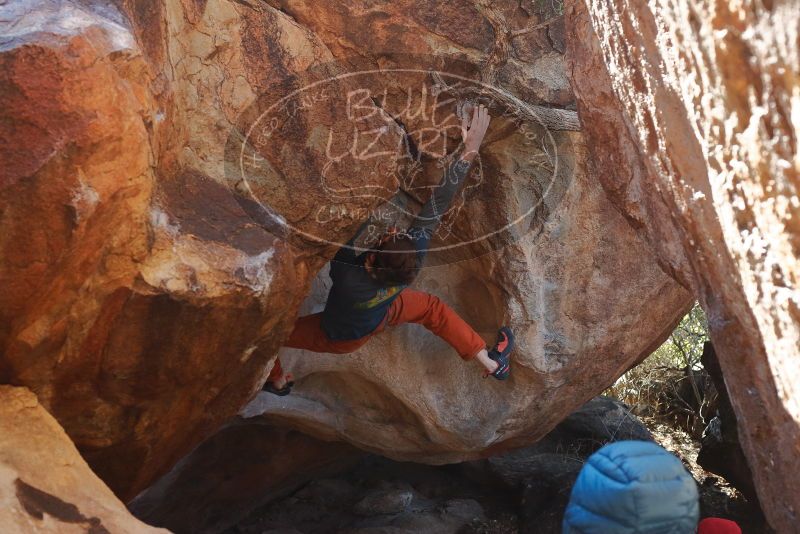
[{"x": 474, "y": 131}]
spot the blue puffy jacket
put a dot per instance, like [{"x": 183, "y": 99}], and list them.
[{"x": 632, "y": 487}]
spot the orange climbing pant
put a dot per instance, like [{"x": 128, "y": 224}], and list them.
[{"x": 410, "y": 306}]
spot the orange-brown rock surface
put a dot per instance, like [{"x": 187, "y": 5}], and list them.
[
  {"x": 140, "y": 302},
  {"x": 45, "y": 485},
  {"x": 692, "y": 110},
  {"x": 148, "y": 281}
]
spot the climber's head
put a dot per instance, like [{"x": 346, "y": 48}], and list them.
[{"x": 394, "y": 260}]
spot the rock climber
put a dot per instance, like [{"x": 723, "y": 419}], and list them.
[{"x": 370, "y": 291}]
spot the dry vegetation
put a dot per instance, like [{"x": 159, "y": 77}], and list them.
[
  {"x": 673, "y": 395},
  {"x": 671, "y": 385}
]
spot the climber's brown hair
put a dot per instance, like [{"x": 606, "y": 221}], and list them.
[{"x": 395, "y": 260}]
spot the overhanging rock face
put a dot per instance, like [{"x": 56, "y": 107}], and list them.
[
  {"x": 579, "y": 288},
  {"x": 692, "y": 113},
  {"x": 150, "y": 272},
  {"x": 582, "y": 296}
]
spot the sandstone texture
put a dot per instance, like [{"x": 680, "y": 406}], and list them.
[
  {"x": 155, "y": 246},
  {"x": 691, "y": 110},
  {"x": 140, "y": 301},
  {"x": 45, "y": 485},
  {"x": 576, "y": 284}
]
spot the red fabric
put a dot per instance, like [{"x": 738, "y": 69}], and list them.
[
  {"x": 308, "y": 335},
  {"x": 715, "y": 525},
  {"x": 410, "y": 306},
  {"x": 423, "y": 308}
]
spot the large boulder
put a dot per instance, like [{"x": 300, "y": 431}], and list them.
[
  {"x": 572, "y": 279},
  {"x": 691, "y": 112},
  {"x": 583, "y": 303},
  {"x": 160, "y": 228},
  {"x": 140, "y": 301},
  {"x": 45, "y": 485}
]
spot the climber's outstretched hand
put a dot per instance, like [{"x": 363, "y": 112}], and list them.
[{"x": 473, "y": 132}]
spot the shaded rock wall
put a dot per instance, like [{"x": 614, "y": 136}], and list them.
[
  {"x": 250, "y": 464},
  {"x": 721, "y": 452},
  {"x": 245, "y": 464},
  {"x": 692, "y": 112},
  {"x": 45, "y": 485}
]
